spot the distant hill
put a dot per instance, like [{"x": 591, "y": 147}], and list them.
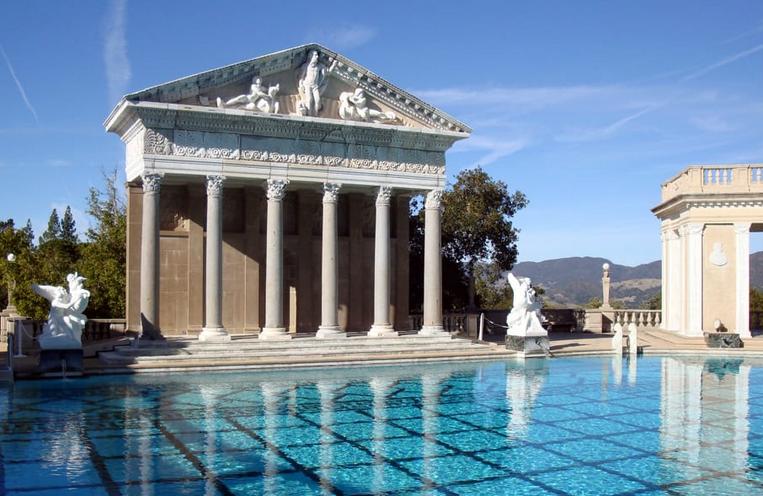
[{"x": 575, "y": 280}]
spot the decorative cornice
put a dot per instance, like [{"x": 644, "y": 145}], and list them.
[
  {"x": 383, "y": 196},
  {"x": 276, "y": 189},
  {"x": 434, "y": 199},
  {"x": 331, "y": 192},
  {"x": 151, "y": 182},
  {"x": 215, "y": 185}
]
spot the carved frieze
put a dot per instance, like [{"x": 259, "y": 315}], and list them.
[{"x": 200, "y": 144}]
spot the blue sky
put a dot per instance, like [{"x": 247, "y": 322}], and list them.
[{"x": 586, "y": 107}]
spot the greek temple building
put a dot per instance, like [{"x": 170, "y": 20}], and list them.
[
  {"x": 707, "y": 214},
  {"x": 271, "y": 196}
]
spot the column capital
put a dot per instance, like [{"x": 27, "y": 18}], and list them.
[
  {"x": 434, "y": 199},
  {"x": 383, "y": 196},
  {"x": 276, "y": 189},
  {"x": 215, "y": 185},
  {"x": 331, "y": 192},
  {"x": 692, "y": 229},
  {"x": 742, "y": 227},
  {"x": 151, "y": 182}
]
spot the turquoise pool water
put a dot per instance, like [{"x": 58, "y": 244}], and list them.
[{"x": 560, "y": 426}]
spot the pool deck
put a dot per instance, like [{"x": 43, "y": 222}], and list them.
[{"x": 247, "y": 352}]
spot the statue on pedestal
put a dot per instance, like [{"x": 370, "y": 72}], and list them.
[
  {"x": 63, "y": 331},
  {"x": 525, "y": 318}
]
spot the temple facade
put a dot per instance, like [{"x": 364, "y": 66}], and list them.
[
  {"x": 706, "y": 214},
  {"x": 272, "y": 195}
]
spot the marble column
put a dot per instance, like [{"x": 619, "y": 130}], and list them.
[
  {"x": 329, "y": 327},
  {"x": 742, "y": 233},
  {"x": 432, "y": 325},
  {"x": 213, "y": 322},
  {"x": 149, "y": 257},
  {"x": 693, "y": 234},
  {"x": 382, "y": 325},
  {"x": 274, "y": 325},
  {"x": 665, "y": 286}
]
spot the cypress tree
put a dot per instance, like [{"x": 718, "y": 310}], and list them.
[
  {"x": 54, "y": 228},
  {"x": 68, "y": 227}
]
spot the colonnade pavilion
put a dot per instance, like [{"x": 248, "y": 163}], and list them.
[{"x": 272, "y": 196}]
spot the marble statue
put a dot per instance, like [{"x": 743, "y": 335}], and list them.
[
  {"x": 718, "y": 256},
  {"x": 353, "y": 106},
  {"x": 525, "y": 318},
  {"x": 312, "y": 79},
  {"x": 63, "y": 331},
  {"x": 258, "y": 99}
]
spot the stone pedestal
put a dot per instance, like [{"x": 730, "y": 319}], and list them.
[
  {"x": 60, "y": 360},
  {"x": 528, "y": 346},
  {"x": 723, "y": 340}
]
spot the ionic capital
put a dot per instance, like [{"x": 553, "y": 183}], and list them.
[
  {"x": 215, "y": 185},
  {"x": 276, "y": 189},
  {"x": 331, "y": 192},
  {"x": 152, "y": 182},
  {"x": 742, "y": 227}
]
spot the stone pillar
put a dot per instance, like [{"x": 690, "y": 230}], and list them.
[
  {"x": 213, "y": 322},
  {"x": 605, "y": 286},
  {"x": 432, "y": 324},
  {"x": 274, "y": 327},
  {"x": 149, "y": 258},
  {"x": 665, "y": 283},
  {"x": 329, "y": 327},
  {"x": 675, "y": 281},
  {"x": 382, "y": 325},
  {"x": 693, "y": 234},
  {"x": 742, "y": 231}
]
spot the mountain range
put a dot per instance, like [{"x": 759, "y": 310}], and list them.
[{"x": 575, "y": 280}]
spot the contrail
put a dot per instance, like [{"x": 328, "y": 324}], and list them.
[
  {"x": 115, "y": 50},
  {"x": 728, "y": 60},
  {"x": 18, "y": 85}
]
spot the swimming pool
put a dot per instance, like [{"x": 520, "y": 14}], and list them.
[{"x": 598, "y": 425}]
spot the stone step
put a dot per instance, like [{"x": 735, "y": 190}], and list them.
[
  {"x": 109, "y": 361},
  {"x": 129, "y": 355},
  {"x": 192, "y": 345}
]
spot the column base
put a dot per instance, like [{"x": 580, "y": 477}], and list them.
[
  {"x": 214, "y": 335},
  {"x": 382, "y": 331},
  {"x": 330, "y": 332},
  {"x": 274, "y": 334},
  {"x": 433, "y": 330}
]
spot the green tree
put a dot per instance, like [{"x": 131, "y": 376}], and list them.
[
  {"x": 68, "y": 226},
  {"x": 476, "y": 223},
  {"x": 21, "y": 273},
  {"x": 491, "y": 287},
  {"x": 655, "y": 302},
  {"x": 54, "y": 228},
  {"x": 594, "y": 302},
  {"x": 103, "y": 257},
  {"x": 756, "y": 300}
]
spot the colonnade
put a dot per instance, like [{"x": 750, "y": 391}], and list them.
[{"x": 274, "y": 327}]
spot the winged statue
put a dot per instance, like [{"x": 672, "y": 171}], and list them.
[{"x": 66, "y": 319}]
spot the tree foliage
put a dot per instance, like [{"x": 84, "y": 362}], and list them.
[
  {"x": 53, "y": 231},
  {"x": 68, "y": 226}
]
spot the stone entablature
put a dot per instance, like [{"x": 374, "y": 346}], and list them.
[{"x": 714, "y": 180}]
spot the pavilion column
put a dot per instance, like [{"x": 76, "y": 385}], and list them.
[
  {"x": 664, "y": 287},
  {"x": 742, "y": 232},
  {"x": 432, "y": 325},
  {"x": 149, "y": 258},
  {"x": 274, "y": 325},
  {"x": 213, "y": 323},
  {"x": 329, "y": 327},
  {"x": 382, "y": 325},
  {"x": 693, "y": 234}
]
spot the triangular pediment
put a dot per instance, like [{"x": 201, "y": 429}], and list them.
[{"x": 297, "y": 83}]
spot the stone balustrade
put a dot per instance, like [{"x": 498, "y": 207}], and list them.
[
  {"x": 644, "y": 319},
  {"x": 95, "y": 329},
  {"x": 697, "y": 179},
  {"x": 452, "y": 322}
]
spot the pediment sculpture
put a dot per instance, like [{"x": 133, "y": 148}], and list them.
[
  {"x": 353, "y": 106},
  {"x": 312, "y": 79},
  {"x": 258, "y": 98},
  {"x": 63, "y": 330}
]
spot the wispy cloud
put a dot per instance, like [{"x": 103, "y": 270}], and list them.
[
  {"x": 597, "y": 133},
  {"x": 721, "y": 63},
  {"x": 492, "y": 149},
  {"x": 746, "y": 34},
  {"x": 58, "y": 162},
  {"x": 19, "y": 85},
  {"x": 115, "y": 51},
  {"x": 344, "y": 36}
]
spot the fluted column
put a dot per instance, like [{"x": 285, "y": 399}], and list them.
[
  {"x": 742, "y": 233},
  {"x": 274, "y": 326},
  {"x": 693, "y": 234},
  {"x": 213, "y": 323},
  {"x": 149, "y": 257},
  {"x": 432, "y": 325},
  {"x": 382, "y": 325},
  {"x": 329, "y": 289}
]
